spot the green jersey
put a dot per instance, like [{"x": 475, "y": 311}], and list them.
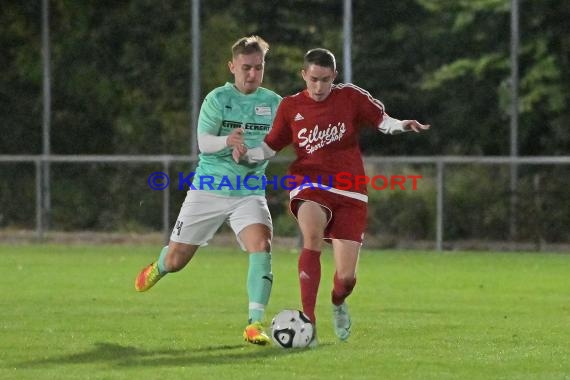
[{"x": 224, "y": 109}]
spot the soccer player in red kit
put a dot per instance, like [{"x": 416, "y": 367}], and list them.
[{"x": 323, "y": 123}]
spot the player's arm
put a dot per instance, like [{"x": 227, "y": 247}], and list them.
[
  {"x": 254, "y": 155},
  {"x": 278, "y": 138},
  {"x": 372, "y": 110},
  {"x": 208, "y": 143},
  {"x": 391, "y": 126},
  {"x": 209, "y": 125}
]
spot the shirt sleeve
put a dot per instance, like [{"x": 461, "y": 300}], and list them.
[
  {"x": 209, "y": 126},
  {"x": 371, "y": 111},
  {"x": 210, "y": 118},
  {"x": 211, "y": 144}
]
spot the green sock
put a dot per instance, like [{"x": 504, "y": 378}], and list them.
[
  {"x": 160, "y": 261},
  {"x": 259, "y": 282}
]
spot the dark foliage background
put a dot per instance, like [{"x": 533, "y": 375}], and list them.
[{"x": 121, "y": 79}]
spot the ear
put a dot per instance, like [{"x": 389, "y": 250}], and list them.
[{"x": 231, "y": 67}]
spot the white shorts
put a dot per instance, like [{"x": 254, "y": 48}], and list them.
[{"x": 202, "y": 214}]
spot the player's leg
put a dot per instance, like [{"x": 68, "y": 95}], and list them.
[
  {"x": 251, "y": 221},
  {"x": 256, "y": 239},
  {"x": 312, "y": 219},
  {"x": 200, "y": 217},
  {"x": 172, "y": 258},
  {"x": 346, "y": 259},
  {"x": 346, "y": 230},
  {"x": 345, "y": 254}
]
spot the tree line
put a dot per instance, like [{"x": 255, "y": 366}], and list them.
[{"x": 121, "y": 70}]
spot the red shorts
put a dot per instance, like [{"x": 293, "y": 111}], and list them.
[{"x": 346, "y": 216}]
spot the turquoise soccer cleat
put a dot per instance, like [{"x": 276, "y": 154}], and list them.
[{"x": 342, "y": 322}]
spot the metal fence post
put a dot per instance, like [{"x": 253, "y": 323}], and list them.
[
  {"x": 166, "y": 203},
  {"x": 39, "y": 203},
  {"x": 514, "y": 122},
  {"x": 46, "y": 116},
  {"x": 439, "y": 206}
]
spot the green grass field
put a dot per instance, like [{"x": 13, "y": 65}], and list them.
[{"x": 71, "y": 312}]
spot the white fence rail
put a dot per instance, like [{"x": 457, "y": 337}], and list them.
[{"x": 440, "y": 162}]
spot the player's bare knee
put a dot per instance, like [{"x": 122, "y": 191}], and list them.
[
  {"x": 313, "y": 240},
  {"x": 346, "y": 279},
  {"x": 260, "y": 245}
]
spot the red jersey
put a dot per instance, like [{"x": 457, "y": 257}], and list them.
[{"x": 325, "y": 135}]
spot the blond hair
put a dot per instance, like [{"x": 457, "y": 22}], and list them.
[{"x": 250, "y": 45}]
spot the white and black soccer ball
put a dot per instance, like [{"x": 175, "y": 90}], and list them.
[{"x": 291, "y": 329}]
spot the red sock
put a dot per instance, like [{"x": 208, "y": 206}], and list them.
[
  {"x": 341, "y": 289},
  {"x": 309, "y": 269}
]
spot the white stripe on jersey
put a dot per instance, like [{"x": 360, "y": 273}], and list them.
[{"x": 372, "y": 99}]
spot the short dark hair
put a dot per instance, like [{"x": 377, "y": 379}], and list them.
[
  {"x": 250, "y": 45},
  {"x": 321, "y": 57}
]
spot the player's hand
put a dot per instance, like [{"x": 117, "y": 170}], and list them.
[
  {"x": 415, "y": 125},
  {"x": 238, "y": 152},
  {"x": 235, "y": 139}
]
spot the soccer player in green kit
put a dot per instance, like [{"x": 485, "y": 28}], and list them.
[{"x": 234, "y": 115}]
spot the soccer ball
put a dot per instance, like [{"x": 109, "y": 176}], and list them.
[{"x": 291, "y": 329}]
